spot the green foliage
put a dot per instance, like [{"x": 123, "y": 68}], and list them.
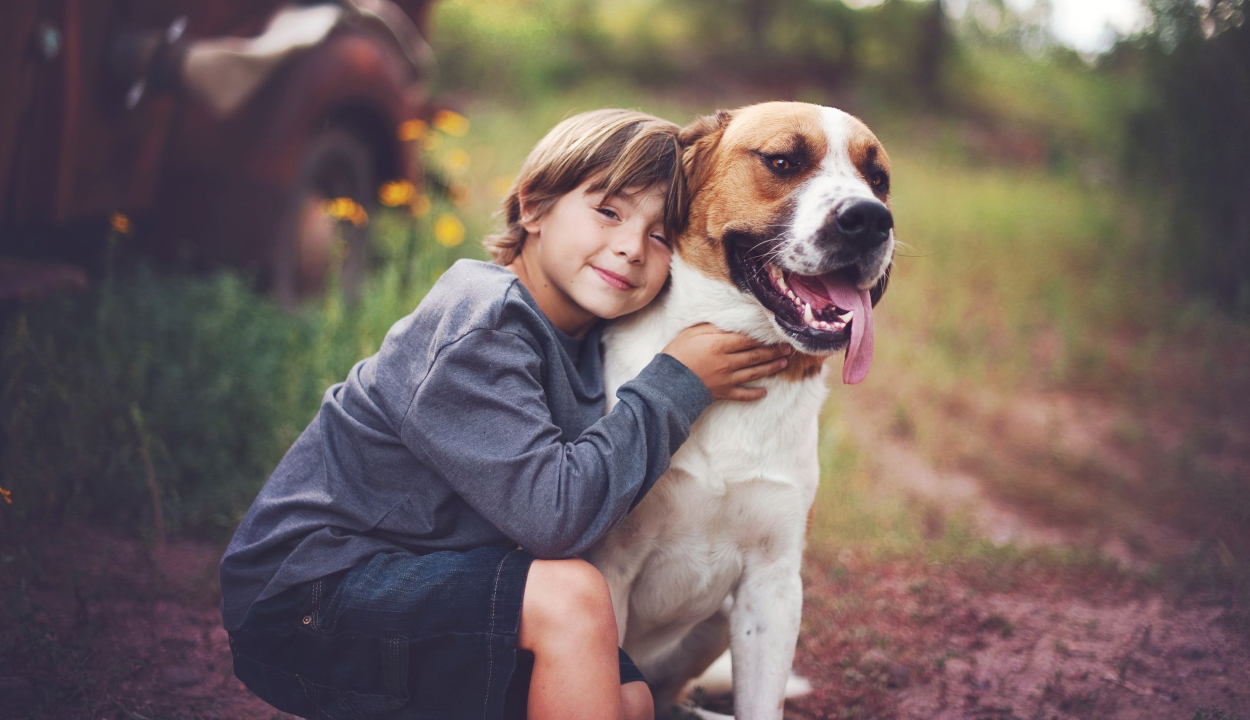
[
  {"x": 189, "y": 388},
  {"x": 515, "y": 48},
  {"x": 1190, "y": 142},
  {"x": 519, "y": 48}
]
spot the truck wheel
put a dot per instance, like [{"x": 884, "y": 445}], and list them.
[{"x": 312, "y": 243}]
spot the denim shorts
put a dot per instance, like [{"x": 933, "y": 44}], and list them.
[{"x": 401, "y": 636}]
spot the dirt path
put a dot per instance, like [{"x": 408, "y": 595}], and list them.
[
  {"x": 105, "y": 627},
  {"x": 917, "y": 642}
]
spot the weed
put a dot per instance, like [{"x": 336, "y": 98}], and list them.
[
  {"x": 997, "y": 623},
  {"x": 1213, "y": 713}
]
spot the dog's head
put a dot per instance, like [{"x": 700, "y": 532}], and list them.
[{"x": 790, "y": 205}]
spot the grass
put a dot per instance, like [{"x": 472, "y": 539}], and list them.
[
  {"x": 1022, "y": 290},
  {"x": 1013, "y": 283},
  {"x": 185, "y": 389}
]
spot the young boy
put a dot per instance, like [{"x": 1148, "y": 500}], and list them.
[{"x": 388, "y": 567}]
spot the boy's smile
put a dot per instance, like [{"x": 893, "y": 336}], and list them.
[{"x": 592, "y": 257}]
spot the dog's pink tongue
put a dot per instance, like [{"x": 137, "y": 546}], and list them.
[{"x": 859, "y": 352}]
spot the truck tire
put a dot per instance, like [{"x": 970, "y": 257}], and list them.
[{"x": 313, "y": 246}]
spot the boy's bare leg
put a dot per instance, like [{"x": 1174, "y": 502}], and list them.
[
  {"x": 568, "y": 623},
  {"x": 636, "y": 702}
]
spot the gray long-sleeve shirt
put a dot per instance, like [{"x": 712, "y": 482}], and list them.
[{"x": 477, "y": 423}]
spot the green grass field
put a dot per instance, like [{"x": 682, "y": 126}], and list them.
[{"x": 1010, "y": 281}]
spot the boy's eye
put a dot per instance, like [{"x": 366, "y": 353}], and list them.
[
  {"x": 663, "y": 240},
  {"x": 608, "y": 213}
]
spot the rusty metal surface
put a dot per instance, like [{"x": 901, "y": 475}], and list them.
[
  {"x": 17, "y": 60},
  {"x": 71, "y": 150},
  {"x": 76, "y": 150},
  {"x": 227, "y": 183}
]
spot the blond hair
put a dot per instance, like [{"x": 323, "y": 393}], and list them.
[{"x": 617, "y": 150}]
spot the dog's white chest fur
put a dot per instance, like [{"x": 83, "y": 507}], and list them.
[
  {"x": 737, "y": 492},
  {"x": 790, "y": 240}
]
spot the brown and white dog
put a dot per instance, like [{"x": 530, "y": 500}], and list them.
[{"x": 790, "y": 240}]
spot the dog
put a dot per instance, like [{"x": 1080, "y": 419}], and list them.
[{"x": 790, "y": 239}]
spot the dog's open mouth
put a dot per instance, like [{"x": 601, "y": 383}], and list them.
[{"x": 824, "y": 313}]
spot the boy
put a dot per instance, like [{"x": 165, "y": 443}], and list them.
[{"x": 388, "y": 567}]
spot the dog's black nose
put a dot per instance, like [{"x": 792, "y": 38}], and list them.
[{"x": 865, "y": 223}]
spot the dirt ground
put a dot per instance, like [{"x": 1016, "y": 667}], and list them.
[
  {"x": 103, "y": 626},
  {"x": 115, "y": 630}
]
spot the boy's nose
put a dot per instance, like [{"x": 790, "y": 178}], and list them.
[{"x": 632, "y": 247}]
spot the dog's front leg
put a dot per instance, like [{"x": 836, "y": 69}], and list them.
[{"x": 764, "y": 628}]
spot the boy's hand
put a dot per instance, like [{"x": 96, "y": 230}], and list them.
[{"x": 725, "y": 360}]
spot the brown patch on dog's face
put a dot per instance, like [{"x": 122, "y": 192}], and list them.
[
  {"x": 869, "y": 158},
  {"x": 742, "y": 169}
]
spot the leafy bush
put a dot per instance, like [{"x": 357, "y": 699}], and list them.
[{"x": 157, "y": 396}]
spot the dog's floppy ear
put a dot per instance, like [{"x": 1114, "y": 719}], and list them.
[{"x": 699, "y": 139}]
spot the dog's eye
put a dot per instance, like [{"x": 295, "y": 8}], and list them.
[
  {"x": 879, "y": 180},
  {"x": 780, "y": 163}
]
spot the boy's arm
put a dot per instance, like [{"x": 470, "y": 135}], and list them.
[{"x": 481, "y": 418}]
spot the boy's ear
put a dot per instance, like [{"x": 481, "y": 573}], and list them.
[
  {"x": 698, "y": 140},
  {"x": 528, "y": 218}
]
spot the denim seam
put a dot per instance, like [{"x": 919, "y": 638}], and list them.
[
  {"x": 490, "y": 643},
  {"x": 316, "y": 603},
  {"x": 394, "y": 677}
]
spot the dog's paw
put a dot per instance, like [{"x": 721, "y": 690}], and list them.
[{"x": 690, "y": 711}]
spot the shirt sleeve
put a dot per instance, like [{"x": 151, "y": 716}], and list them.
[{"x": 480, "y": 418}]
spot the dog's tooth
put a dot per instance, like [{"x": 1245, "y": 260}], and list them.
[
  {"x": 781, "y": 282},
  {"x": 774, "y": 271},
  {"x": 807, "y": 313},
  {"x": 790, "y": 294}
]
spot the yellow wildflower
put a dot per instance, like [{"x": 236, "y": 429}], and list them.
[
  {"x": 457, "y": 161},
  {"x": 411, "y": 130},
  {"x": 452, "y": 123},
  {"x": 396, "y": 193},
  {"x": 120, "y": 224},
  {"x": 448, "y": 230}
]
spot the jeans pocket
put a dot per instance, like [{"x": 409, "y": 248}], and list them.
[{"x": 337, "y": 677}]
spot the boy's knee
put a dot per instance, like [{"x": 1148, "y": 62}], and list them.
[
  {"x": 565, "y": 594},
  {"x": 636, "y": 702}
]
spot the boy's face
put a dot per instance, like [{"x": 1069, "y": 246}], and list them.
[{"x": 593, "y": 257}]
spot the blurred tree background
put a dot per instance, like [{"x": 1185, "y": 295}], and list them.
[
  {"x": 1190, "y": 137},
  {"x": 1168, "y": 107}
]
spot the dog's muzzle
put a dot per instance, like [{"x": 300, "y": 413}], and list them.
[
  {"x": 855, "y": 238},
  {"x": 866, "y": 224}
]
